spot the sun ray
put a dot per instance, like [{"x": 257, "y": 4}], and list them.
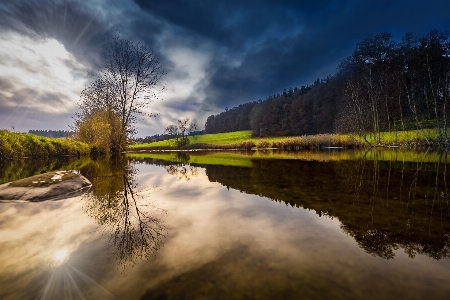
[
  {"x": 86, "y": 277},
  {"x": 47, "y": 287},
  {"x": 80, "y": 294}
]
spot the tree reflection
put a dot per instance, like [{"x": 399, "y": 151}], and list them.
[
  {"x": 405, "y": 206},
  {"x": 175, "y": 163},
  {"x": 384, "y": 201},
  {"x": 125, "y": 213}
]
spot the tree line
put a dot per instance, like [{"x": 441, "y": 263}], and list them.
[
  {"x": 52, "y": 133},
  {"x": 384, "y": 85}
]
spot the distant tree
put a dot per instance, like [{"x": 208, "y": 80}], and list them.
[
  {"x": 367, "y": 70},
  {"x": 125, "y": 85},
  {"x": 180, "y": 131}
]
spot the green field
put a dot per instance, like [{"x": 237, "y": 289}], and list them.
[
  {"x": 214, "y": 139},
  {"x": 394, "y": 138}
]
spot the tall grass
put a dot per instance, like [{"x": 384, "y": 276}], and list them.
[
  {"x": 424, "y": 137},
  {"x": 15, "y": 145},
  {"x": 318, "y": 141}
]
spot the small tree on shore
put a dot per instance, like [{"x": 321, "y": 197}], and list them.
[
  {"x": 179, "y": 132},
  {"x": 125, "y": 85},
  {"x": 101, "y": 130}
]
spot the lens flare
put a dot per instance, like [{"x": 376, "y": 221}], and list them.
[{"x": 61, "y": 256}]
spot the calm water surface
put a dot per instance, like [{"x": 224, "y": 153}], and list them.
[{"x": 319, "y": 226}]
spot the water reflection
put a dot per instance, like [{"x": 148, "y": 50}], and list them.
[
  {"x": 26, "y": 167},
  {"x": 181, "y": 168},
  {"x": 385, "y": 202},
  {"x": 226, "y": 244},
  {"x": 126, "y": 214},
  {"x": 176, "y": 163}
]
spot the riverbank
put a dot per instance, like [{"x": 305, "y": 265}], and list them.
[
  {"x": 14, "y": 145},
  {"x": 242, "y": 140}
]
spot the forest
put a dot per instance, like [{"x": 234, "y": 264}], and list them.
[
  {"x": 384, "y": 85},
  {"x": 52, "y": 133}
]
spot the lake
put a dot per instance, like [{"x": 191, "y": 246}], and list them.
[{"x": 335, "y": 224}]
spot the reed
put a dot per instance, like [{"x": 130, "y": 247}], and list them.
[{"x": 318, "y": 141}]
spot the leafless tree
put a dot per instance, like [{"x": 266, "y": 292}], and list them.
[
  {"x": 180, "y": 131},
  {"x": 127, "y": 83}
]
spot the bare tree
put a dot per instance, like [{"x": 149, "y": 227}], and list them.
[
  {"x": 180, "y": 131},
  {"x": 126, "y": 84}
]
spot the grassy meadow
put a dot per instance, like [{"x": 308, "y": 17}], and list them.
[
  {"x": 15, "y": 145},
  {"x": 244, "y": 140},
  {"x": 213, "y": 139}
]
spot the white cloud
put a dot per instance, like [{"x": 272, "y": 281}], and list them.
[{"x": 44, "y": 67}]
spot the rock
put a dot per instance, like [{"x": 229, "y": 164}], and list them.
[{"x": 49, "y": 186}]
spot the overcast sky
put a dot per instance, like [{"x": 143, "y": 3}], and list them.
[{"x": 217, "y": 53}]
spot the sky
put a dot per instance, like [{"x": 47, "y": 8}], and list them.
[{"x": 217, "y": 54}]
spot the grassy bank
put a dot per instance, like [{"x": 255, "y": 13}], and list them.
[
  {"x": 17, "y": 145},
  {"x": 244, "y": 140}
]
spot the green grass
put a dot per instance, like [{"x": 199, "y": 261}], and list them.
[
  {"x": 410, "y": 138},
  {"x": 215, "y": 139},
  {"x": 398, "y": 137},
  {"x": 15, "y": 145}
]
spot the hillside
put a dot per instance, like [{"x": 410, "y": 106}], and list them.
[{"x": 385, "y": 85}]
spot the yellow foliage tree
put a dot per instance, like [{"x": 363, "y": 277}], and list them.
[{"x": 101, "y": 130}]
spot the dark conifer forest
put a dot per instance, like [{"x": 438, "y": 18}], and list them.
[{"x": 384, "y": 85}]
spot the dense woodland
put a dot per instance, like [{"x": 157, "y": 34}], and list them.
[
  {"x": 52, "y": 133},
  {"x": 384, "y": 85}
]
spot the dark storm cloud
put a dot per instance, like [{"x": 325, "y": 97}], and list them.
[
  {"x": 182, "y": 105},
  {"x": 286, "y": 43},
  {"x": 234, "y": 21},
  {"x": 78, "y": 28}
]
